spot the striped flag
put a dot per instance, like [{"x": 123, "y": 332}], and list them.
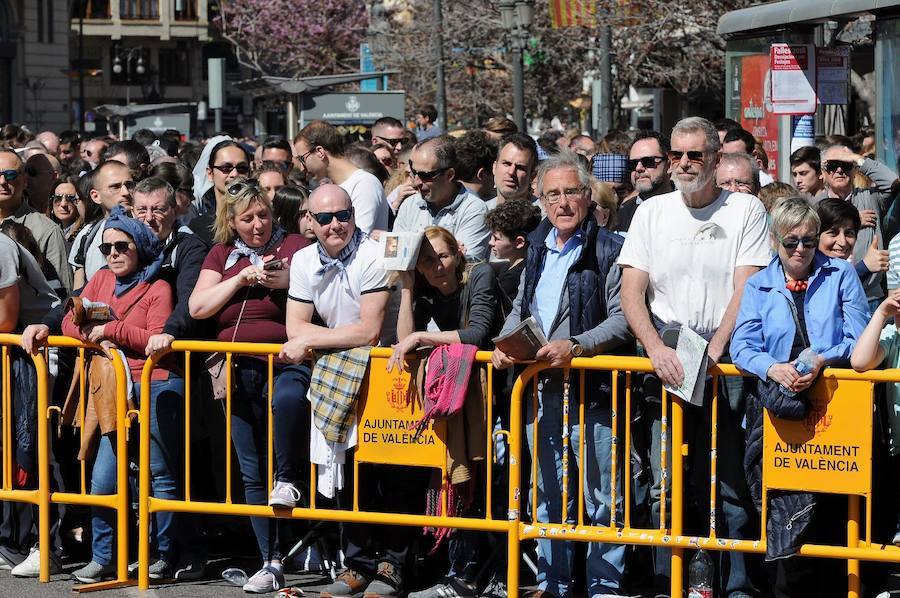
[{"x": 572, "y": 13}]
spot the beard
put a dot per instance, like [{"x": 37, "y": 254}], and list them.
[{"x": 701, "y": 180}]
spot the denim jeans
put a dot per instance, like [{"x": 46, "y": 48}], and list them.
[
  {"x": 605, "y": 561},
  {"x": 249, "y": 422},
  {"x": 166, "y": 440},
  {"x": 733, "y": 504}
]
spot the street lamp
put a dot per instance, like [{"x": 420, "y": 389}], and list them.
[
  {"x": 129, "y": 58},
  {"x": 517, "y": 16}
]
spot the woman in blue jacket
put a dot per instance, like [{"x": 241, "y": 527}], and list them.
[{"x": 803, "y": 298}]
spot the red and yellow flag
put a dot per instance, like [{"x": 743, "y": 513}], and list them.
[{"x": 572, "y": 13}]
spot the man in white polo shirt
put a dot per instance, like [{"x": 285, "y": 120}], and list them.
[{"x": 340, "y": 278}]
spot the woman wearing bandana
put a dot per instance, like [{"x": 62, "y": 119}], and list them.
[
  {"x": 243, "y": 286},
  {"x": 140, "y": 304}
]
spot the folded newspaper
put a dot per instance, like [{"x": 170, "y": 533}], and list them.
[
  {"x": 523, "y": 341},
  {"x": 399, "y": 251},
  {"x": 85, "y": 311},
  {"x": 691, "y": 350}
]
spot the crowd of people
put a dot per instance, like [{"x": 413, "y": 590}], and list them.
[{"x": 609, "y": 245}]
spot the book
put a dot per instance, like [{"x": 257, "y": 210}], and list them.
[
  {"x": 399, "y": 251},
  {"x": 691, "y": 350},
  {"x": 523, "y": 341}
]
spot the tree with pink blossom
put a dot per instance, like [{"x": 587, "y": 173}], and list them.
[{"x": 294, "y": 38}]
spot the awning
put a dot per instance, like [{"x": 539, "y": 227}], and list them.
[
  {"x": 263, "y": 86},
  {"x": 783, "y": 14}
]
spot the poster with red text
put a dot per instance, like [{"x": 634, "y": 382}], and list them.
[{"x": 756, "y": 108}]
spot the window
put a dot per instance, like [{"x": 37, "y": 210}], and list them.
[{"x": 175, "y": 65}]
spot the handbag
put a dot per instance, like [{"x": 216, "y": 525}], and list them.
[{"x": 215, "y": 363}]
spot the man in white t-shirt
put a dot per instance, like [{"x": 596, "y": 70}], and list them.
[
  {"x": 340, "y": 278},
  {"x": 688, "y": 254},
  {"x": 319, "y": 148}
]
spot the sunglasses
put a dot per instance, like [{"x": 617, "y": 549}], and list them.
[
  {"x": 832, "y": 166},
  {"x": 389, "y": 141},
  {"x": 61, "y": 198},
  {"x": 241, "y": 186},
  {"x": 303, "y": 157},
  {"x": 325, "y": 218},
  {"x": 121, "y": 247},
  {"x": 793, "y": 242},
  {"x": 242, "y": 168},
  {"x": 426, "y": 176},
  {"x": 9, "y": 175},
  {"x": 694, "y": 156},
  {"x": 646, "y": 162}
]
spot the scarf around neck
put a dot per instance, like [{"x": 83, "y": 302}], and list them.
[
  {"x": 254, "y": 254},
  {"x": 346, "y": 253}
]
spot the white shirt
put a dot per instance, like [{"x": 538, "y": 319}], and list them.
[
  {"x": 370, "y": 206},
  {"x": 691, "y": 254},
  {"x": 335, "y": 294},
  {"x": 93, "y": 259}
]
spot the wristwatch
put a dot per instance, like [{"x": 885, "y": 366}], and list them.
[
  {"x": 577, "y": 349},
  {"x": 859, "y": 161}
]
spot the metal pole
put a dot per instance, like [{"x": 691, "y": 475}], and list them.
[
  {"x": 518, "y": 75},
  {"x": 218, "y": 112},
  {"x": 441, "y": 99},
  {"x": 81, "y": 109},
  {"x": 605, "y": 116}
]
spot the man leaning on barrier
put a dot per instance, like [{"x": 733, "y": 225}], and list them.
[
  {"x": 688, "y": 254},
  {"x": 339, "y": 278},
  {"x": 570, "y": 285}
]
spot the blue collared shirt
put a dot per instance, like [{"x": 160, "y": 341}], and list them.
[{"x": 552, "y": 281}]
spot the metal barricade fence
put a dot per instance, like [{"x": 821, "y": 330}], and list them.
[
  {"x": 378, "y": 377},
  {"x": 856, "y": 401},
  {"x": 43, "y": 497}
]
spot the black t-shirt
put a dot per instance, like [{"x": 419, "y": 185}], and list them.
[{"x": 800, "y": 335}]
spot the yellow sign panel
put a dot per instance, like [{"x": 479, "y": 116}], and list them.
[
  {"x": 830, "y": 450},
  {"x": 387, "y": 416}
]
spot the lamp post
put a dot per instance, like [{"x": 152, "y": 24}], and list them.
[
  {"x": 128, "y": 57},
  {"x": 517, "y": 16}
]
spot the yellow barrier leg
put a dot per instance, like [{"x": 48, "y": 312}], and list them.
[
  {"x": 853, "y": 542},
  {"x": 515, "y": 458},
  {"x": 144, "y": 482},
  {"x": 43, "y": 438},
  {"x": 677, "y": 487}
]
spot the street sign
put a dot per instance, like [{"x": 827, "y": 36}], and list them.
[
  {"x": 792, "y": 71},
  {"x": 833, "y": 75},
  {"x": 160, "y": 122},
  {"x": 351, "y": 108}
]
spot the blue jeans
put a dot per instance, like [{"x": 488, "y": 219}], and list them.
[
  {"x": 249, "y": 421},
  {"x": 166, "y": 441},
  {"x": 605, "y": 562}
]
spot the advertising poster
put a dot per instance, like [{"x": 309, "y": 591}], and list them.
[
  {"x": 793, "y": 73},
  {"x": 755, "y": 108}
]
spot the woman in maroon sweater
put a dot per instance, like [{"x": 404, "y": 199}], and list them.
[
  {"x": 140, "y": 303},
  {"x": 247, "y": 297}
]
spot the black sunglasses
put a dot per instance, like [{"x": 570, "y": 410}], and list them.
[
  {"x": 325, "y": 218},
  {"x": 425, "y": 176},
  {"x": 793, "y": 242},
  {"x": 646, "y": 162},
  {"x": 242, "y": 168},
  {"x": 241, "y": 186},
  {"x": 61, "y": 198},
  {"x": 9, "y": 175},
  {"x": 695, "y": 156},
  {"x": 389, "y": 141},
  {"x": 121, "y": 247},
  {"x": 831, "y": 166}
]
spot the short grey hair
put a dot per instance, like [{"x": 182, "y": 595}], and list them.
[
  {"x": 565, "y": 159},
  {"x": 833, "y": 146},
  {"x": 739, "y": 158},
  {"x": 698, "y": 124},
  {"x": 152, "y": 185},
  {"x": 791, "y": 212},
  {"x": 444, "y": 149}
]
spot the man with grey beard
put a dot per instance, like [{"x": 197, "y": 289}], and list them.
[{"x": 687, "y": 255}]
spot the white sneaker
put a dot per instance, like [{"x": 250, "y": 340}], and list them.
[
  {"x": 284, "y": 494},
  {"x": 267, "y": 579},
  {"x": 31, "y": 566}
]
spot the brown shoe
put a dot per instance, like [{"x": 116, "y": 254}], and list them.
[
  {"x": 387, "y": 583},
  {"x": 349, "y": 584}
]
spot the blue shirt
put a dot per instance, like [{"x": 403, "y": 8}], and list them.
[{"x": 548, "y": 293}]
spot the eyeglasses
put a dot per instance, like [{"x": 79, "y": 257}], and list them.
[
  {"x": 242, "y": 168},
  {"x": 325, "y": 218},
  {"x": 426, "y": 175},
  {"x": 142, "y": 211},
  {"x": 792, "y": 242},
  {"x": 241, "y": 186},
  {"x": 303, "y": 157},
  {"x": 129, "y": 185},
  {"x": 121, "y": 247},
  {"x": 389, "y": 141},
  {"x": 61, "y": 198},
  {"x": 646, "y": 162},
  {"x": 286, "y": 165},
  {"x": 695, "y": 156},
  {"x": 831, "y": 166},
  {"x": 736, "y": 184},
  {"x": 9, "y": 175},
  {"x": 570, "y": 194}
]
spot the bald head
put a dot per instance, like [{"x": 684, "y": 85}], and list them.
[
  {"x": 329, "y": 198},
  {"x": 50, "y": 141}
]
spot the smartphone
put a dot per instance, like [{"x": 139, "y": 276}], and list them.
[{"x": 273, "y": 265}]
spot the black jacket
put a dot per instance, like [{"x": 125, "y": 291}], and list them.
[{"x": 184, "y": 255}]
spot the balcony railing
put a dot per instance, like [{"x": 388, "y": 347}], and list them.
[
  {"x": 139, "y": 10},
  {"x": 134, "y": 10}
]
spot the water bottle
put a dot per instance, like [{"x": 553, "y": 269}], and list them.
[
  {"x": 700, "y": 576},
  {"x": 235, "y": 576},
  {"x": 804, "y": 364}
]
